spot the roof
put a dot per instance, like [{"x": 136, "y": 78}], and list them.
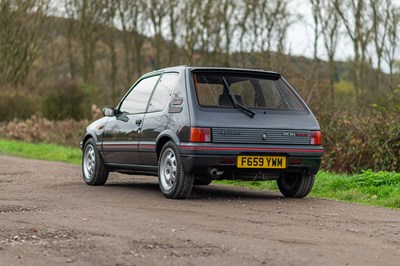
[{"x": 219, "y": 69}]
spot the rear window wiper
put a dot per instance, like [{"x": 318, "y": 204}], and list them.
[{"x": 236, "y": 104}]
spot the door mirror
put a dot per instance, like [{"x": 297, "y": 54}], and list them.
[{"x": 108, "y": 111}]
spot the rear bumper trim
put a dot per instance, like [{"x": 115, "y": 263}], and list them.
[{"x": 208, "y": 148}]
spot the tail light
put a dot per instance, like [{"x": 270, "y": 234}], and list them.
[
  {"x": 200, "y": 134},
  {"x": 316, "y": 138}
]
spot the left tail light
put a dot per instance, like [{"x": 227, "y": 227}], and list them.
[
  {"x": 316, "y": 138},
  {"x": 200, "y": 134}
]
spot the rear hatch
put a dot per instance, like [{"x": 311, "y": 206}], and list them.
[{"x": 251, "y": 107}]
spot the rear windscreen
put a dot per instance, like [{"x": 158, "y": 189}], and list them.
[{"x": 254, "y": 92}]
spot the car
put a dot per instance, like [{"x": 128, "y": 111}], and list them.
[{"x": 192, "y": 125}]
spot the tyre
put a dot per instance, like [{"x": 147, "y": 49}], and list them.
[
  {"x": 202, "y": 182},
  {"x": 173, "y": 181},
  {"x": 94, "y": 170},
  {"x": 296, "y": 186}
]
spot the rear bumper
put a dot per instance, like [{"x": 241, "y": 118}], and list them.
[{"x": 198, "y": 158}]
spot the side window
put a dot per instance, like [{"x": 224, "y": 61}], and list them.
[
  {"x": 163, "y": 91},
  {"x": 273, "y": 98},
  {"x": 137, "y": 99}
]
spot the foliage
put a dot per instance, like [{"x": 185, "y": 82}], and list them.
[
  {"x": 355, "y": 142},
  {"x": 344, "y": 91},
  {"x": 377, "y": 179},
  {"x": 15, "y": 103},
  {"x": 66, "y": 101},
  {"x": 21, "y": 34},
  {"x": 66, "y": 132}
]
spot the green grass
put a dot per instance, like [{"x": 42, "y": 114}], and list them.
[
  {"x": 370, "y": 188},
  {"x": 49, "y": 152}
]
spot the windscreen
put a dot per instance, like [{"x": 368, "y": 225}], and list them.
[{"x": 251, "y": 91}]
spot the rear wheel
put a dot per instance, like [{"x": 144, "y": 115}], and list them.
[
  {"x": 296, "y": 186},
  {"x": 94, "y": 170},
  {"x": 173, "y": 181}
]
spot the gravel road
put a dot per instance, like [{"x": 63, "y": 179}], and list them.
[{"x": 48, "y": 216}]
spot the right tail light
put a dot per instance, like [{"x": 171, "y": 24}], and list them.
[{"x": 316, "y": 138}]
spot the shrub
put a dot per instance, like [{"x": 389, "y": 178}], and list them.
[
  {"x": 15, "y": 103},
  {"x": 35, "y": 129},
  {"x": 67, "y": 101},
  {"x": 66, "y": 132},
  {"x": 354, "y": 143}
]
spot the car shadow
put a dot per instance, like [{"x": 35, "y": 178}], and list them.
[
  {"x": 210, "y": 192},
  {"x": 231, "y": 192}
]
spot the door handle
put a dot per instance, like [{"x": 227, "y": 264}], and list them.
[{"x": 138, "y": 122}]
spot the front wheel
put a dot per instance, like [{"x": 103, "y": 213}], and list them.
[
  {"x": 296, "y": 186},
  {"x": 94, "y": 170},
  {"x": 173, "y": 181}
]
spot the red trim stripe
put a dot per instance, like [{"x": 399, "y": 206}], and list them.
[
  {"x": 147, "y": 146},
  {"x": 201, "y": 148}
]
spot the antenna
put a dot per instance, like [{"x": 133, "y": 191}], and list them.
[
  {"x": 153, "y": 63},
  {"x": 190, "y": 59}
]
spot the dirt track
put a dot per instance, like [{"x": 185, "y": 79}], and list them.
[{"x": 48, "y": 216}]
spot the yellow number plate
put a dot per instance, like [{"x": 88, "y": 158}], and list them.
[{"x": 276, "y": 162}]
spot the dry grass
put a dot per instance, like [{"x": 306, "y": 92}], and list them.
[{"x": 40, "y": 130}]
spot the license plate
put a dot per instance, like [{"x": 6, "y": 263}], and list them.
[{"x": 275, "y": 162}]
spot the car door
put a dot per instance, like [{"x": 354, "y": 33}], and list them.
[
  {"x": 122, "y": 132},
  {"x": 157, "y": 118}
]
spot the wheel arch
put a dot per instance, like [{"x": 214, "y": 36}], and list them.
[
  {"x": 164, "y": 138},
  {"x": 87, "y": 137}
]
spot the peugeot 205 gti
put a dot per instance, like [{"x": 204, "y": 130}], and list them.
[{"x": 192, "y": 125}]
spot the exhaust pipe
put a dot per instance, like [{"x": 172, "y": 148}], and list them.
[{"x": 215, "y": 172}]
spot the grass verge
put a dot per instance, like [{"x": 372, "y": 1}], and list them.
[
  {"x": 41, "y": 151},
  {"x": 370, "y": 188}
]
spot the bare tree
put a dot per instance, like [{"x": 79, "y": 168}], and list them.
[
  {"x": 393, "y": 41},
  {"x": 208, "y": 28},
  {"x": 89, "y": 15},
  {"x": 133, "y": 17},
  {"x": 20, "y": 37},
  {"x": 380, "y": 13},
  {"x": 354, "y": 14},
  {"x": 227, "y": 12},
  {"x": 71, "y": 28},
  {"x": 158, "y": 10},
  {"x": 330, "y": 27},
  {"x": 174, "y": 14},
  {"x": 190, "y": 27},
  {"x": 212, "y": 33},
  {"x": 110, "y": 40},
  {"x": 316, "y": 10},
  {"x": 267, "y": 24}
]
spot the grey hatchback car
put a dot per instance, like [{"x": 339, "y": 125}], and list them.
[{"x": 192, "y": 125}]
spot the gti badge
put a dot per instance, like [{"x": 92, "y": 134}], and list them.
[{"x": 288, "y": 134}]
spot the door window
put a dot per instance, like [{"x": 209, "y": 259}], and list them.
[{"x": 138, "y": 97}]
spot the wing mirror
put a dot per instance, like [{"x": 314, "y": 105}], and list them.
[{"x": 108, "y": 111}]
